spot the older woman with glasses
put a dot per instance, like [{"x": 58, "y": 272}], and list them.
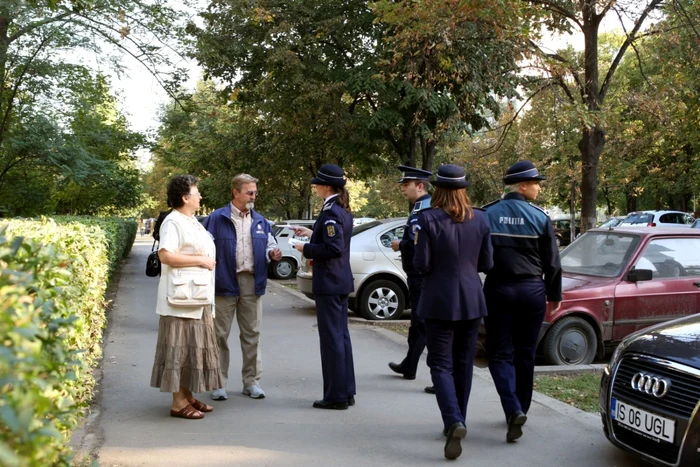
[
  {"x": 452, "y": 246},
  {"x": 187, "y": 356}
]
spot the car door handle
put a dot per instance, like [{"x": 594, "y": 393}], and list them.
[{"x": 696, "y": 284}]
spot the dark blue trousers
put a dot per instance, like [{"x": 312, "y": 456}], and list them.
[
  {"x": 416, "y": 332},
  {"x": 516, "y": 311},
  {"x": 451, "y": 347},
  {"x": 336, "y": 349}
]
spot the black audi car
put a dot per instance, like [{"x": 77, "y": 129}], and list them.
[{"x": 650, "y": 390}]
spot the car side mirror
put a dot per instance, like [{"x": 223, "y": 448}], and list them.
[{"x": 638, "y": 275}]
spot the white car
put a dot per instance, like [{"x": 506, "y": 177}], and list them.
[
  {"x": 291, "y": 258},
  {"x": 657, "y": 219},
  {"x": 381, "y": 290}
]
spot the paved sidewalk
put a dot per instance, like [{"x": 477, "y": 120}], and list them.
[{"x": 393, "y": 423}]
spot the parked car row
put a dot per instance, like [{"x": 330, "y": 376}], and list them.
[{"x": 615, "y": 282}]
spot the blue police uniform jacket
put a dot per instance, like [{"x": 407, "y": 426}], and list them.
[
  {"x": 329, "y": 247},
  {"x": 407, "y": 244},
  {"x": 524, "y": 244},
  {"x": 451, "y": 255},
  {"x": 220, "y": 226}
]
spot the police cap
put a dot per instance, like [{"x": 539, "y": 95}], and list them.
[{"x": 412, "y": 173}]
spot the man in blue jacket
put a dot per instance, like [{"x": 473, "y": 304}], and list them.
[{"x": 245, "y": 245}]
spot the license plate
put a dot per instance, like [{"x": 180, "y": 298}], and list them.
[{"x": 640, "y": 420}]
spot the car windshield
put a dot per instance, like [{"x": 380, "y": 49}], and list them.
[
  {"x": 362, "y": 227},
  {"x": 640, "y": 218},
  {"x": 604, "y": 254}
]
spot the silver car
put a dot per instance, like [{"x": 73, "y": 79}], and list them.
[
  {"x": 291, "y": 258},
  {"x": 381, "y": 291}
]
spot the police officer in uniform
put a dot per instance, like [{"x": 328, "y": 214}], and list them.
[
  {"x": 452, "y": 247},
  {"x": 414, "y": 184},
  {"x": 525, "y": 276},
  {"x": 332, "y": 282}
]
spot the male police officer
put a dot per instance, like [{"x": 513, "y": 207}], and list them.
[
  {"x": 524, "y": 252},
  {"x": 414, "y": 187}
]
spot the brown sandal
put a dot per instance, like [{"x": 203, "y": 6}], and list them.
[
  {"x": 201, "y": 406},
  {"x": 187, "y": 412}
]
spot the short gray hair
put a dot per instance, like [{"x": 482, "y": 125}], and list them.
[{"x": 240, "y": 180}]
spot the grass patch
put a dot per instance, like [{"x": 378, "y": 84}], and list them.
[{"x": 580, "y": 390}]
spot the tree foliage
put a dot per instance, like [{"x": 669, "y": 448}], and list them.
[{"x": 63, "y": 146}]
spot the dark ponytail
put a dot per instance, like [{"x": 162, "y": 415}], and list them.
[{"x": 343, "y": 199}]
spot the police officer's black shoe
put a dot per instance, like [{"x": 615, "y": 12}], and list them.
[
  {"x": 515, "y": 425},
  {"x": 330, "y": 405},
  {"x": 453, "y": 446},
  {"x": 351, "y": 401},
  {"x": 430, "y": 389},
  {"x": 396, "y": 368}
]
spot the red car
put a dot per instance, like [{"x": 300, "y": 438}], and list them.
[{"x": 617, "y": 281}]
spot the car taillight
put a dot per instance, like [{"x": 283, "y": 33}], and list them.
[
  {"x": 311, "y": 263},
  {"x": 651, "y": 224}
]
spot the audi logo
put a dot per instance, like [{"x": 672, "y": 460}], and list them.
[{"x": 652, "y": 385}]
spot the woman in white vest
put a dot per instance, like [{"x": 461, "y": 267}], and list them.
[{"x": 187, "y": 356}]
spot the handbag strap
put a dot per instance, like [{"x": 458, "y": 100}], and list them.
[{"x": 154, "y": 245}]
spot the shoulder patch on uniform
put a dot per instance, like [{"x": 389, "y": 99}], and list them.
[
  {"x": 422, "y": 205},
  {"x": 329, "y": 221},
  {"x": 539, "y": 208},
  {"x": 330, "y": 229},
  {"x": 483, "y": 208},
  {"x": 415, "y": 219}
]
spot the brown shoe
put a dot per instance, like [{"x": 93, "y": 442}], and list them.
[
  {"x": 201, "y": 406},
  {"x": 187, "y": 412}
]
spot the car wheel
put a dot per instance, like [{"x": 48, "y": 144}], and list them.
[
  {"x": 282, "y": 269},
  {"x": 382, "y": 300},
  {"x": 570, "y": 341},
  {"x": 558, "y": 239}
]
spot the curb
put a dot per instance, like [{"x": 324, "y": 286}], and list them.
[{"x": 569, "y": 369}]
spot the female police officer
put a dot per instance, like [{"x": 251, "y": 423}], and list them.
[
  {"x": 332, "y": 281},
  {"x": 452, "y": 246}
]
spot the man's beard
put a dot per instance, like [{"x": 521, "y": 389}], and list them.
[{"x": 250, "y": 206}]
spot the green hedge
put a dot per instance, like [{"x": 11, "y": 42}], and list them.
[{"x": 54, "y": 276}]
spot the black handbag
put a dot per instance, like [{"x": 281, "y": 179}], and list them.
[{"x": 153, "y": 262}]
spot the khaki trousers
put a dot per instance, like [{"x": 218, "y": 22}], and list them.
[{"x": 247, "y": 307}]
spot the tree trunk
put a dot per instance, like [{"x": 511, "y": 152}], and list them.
[
  {"x": 591, "y": 145},
  {"x": 593, "y": 138},
  {"x": 411, "y": 150},
  {"x": 429, "y": 148},
  {"x": 572, "y": 212}
]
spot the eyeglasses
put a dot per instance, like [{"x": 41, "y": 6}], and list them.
[
  {"x": 251, "y": 193},
  {"x": 194, "y": 194}
]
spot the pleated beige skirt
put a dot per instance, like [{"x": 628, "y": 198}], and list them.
[{"x": 187, "y": 355}]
